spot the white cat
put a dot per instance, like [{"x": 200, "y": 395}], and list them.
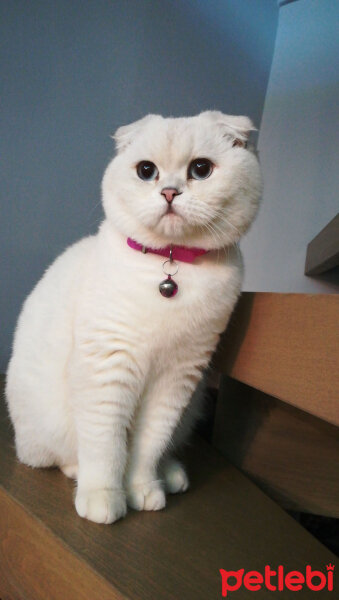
[{"x": 104, "y": 366}]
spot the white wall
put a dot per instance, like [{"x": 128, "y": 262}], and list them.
[{"x": 298, "y": 146}]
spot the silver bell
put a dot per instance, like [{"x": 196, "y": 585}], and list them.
[{"x": 168, "y": 288}]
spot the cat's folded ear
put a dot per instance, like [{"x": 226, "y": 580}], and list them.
[
  {"x": 124, "y": 135},
  {"x": 239, "y": 127}
]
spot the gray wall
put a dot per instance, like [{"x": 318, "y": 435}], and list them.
[
  {"x": 298, "y": 145},
  {"x": 75, "y": 70}
]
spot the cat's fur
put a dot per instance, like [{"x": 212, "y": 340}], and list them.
[{"x": 103, "y": 367}]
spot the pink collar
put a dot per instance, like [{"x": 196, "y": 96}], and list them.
[{"x": 182, "y": 253}]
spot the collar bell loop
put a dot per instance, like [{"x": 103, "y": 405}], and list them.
[{"x": 168, "y": 287}]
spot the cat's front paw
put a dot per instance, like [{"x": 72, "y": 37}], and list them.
[
  {"x": 175, "y": 477},
  {"x": 101, "y": 506},
  {"x": 146, "y": 496}
]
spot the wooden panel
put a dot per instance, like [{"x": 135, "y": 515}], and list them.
[
  {"x": 323, "y": 251},
  {"x": 223, "y": 521},
  {"x": 290, "y": 454},
  {"x": 35, "y": 565},
  {"x": 286, "y": 345}
]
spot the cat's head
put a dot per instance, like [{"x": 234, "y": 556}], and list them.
[{"x": 188, "y": 181}]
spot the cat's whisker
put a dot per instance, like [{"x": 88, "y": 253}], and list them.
[
  {"x": 223, "y": 217},
  {"x": 217, "y": 237}
]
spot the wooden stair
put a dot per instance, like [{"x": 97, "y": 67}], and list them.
[
  {"x": 224, "y": 521},
  {"x": 277, "y": 412}
]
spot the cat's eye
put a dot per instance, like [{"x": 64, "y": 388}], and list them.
[
  {"x": 200, "y": 168},
  {"x": 147, "y": 170}
]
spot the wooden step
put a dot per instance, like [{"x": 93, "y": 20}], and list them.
[
  {"x": 290, "y": 454},
  {"x": 224, "y": 521},
  {"x": 287, "y": 346}
]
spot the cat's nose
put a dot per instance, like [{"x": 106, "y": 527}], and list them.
[{"x": 170, "y": 193}]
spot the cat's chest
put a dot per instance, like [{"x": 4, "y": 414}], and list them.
[{"x": 124, "y": 300}]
